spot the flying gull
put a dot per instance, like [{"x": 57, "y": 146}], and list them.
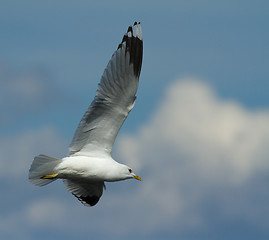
[{"x": 89, "y": 163}]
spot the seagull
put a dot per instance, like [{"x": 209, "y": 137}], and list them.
[{"x": 89, "y": 163}]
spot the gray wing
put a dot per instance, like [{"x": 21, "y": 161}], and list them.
[
  {"x": 115, "y": 97},
  {"x": 88, "y": 193}
]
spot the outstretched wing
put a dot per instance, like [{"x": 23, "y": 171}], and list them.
[
  {"x": 86, "y": 192},
  {"x": 115, "y": 97}
]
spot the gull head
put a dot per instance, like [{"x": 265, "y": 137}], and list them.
[{"x": 127, "y": 173}]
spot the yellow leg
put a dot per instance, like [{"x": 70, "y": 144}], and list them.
[{"x": 50, "y": 176}]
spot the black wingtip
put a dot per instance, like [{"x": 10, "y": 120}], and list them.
[
  {"x": 134, "y": 45},
  {"x": 130, "y": 29},
  {"x": 89, "y": 200}
]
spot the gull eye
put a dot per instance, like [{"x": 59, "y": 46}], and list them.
[{"x": 130, "y": 170}]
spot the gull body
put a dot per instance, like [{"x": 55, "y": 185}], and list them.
[{"x": 93, "y": 169}]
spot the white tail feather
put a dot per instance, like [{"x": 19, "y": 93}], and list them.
[{"x": 42, "y": 166}]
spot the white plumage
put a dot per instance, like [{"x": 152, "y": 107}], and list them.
[{"x": 89, "y": 163}]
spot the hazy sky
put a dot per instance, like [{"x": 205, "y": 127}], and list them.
[{"x": 198, "y": 135}]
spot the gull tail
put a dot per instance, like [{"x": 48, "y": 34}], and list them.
[{"x": 43, "y": 170}]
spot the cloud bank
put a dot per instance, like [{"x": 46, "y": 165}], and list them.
[
  {"x": 202, "y": 159},
  {"x": 204, "y": 165}
]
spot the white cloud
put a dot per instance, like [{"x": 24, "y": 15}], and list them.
[
  {"x": 194, "y": 145},
  {"x": 200, "y": 157},
  {"x": 47, "y": 212},
  {"x": 26, "y": 91},
  {"x": 216, "y": 135},
  {"x": 17, "y": 152}
]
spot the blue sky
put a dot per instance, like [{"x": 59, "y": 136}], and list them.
[{"x": 198, "y": 135}]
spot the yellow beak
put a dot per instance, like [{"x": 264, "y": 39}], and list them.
[{"x": 137, "y": 177}]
